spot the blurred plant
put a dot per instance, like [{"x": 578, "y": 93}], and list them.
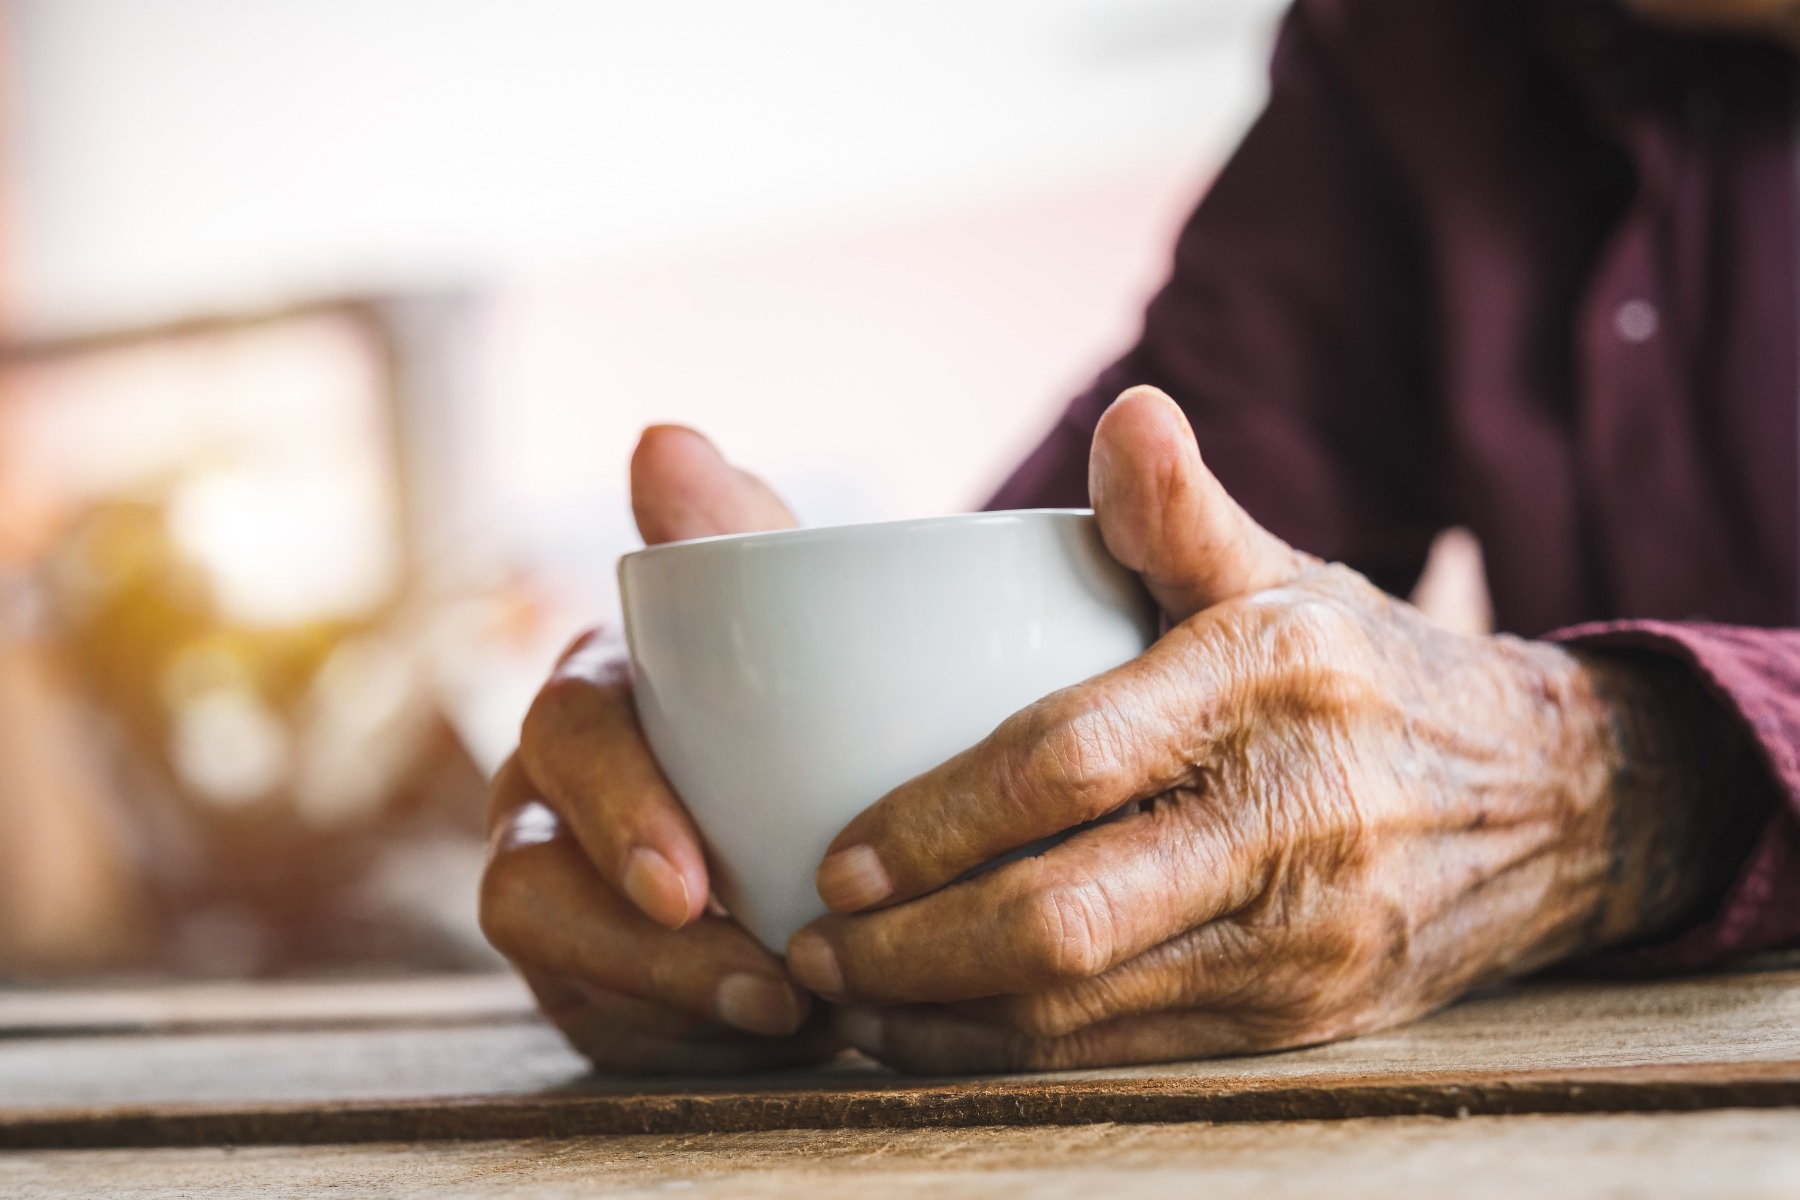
[{"x": 264, "y": 771}]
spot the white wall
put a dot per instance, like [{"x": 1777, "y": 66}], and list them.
[{"x": 173, "y": 155}]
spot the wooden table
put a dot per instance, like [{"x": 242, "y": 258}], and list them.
[{"x": 454, "y": 1087}]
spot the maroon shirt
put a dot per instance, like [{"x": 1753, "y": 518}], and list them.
[{"x": 1528, "y": 267}]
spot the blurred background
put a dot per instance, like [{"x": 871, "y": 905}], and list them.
[{"x": 329, "y": 326}]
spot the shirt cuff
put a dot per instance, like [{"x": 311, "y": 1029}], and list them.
[{"x": 1755, "y": 676}]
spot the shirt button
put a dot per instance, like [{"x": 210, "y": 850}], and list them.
[{"x": 1636, "y": 321}]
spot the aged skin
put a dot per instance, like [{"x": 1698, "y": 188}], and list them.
[
  {"x": 596, "y": 886},
  {"x": 1341, "y": 816}
]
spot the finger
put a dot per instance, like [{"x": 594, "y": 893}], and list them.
[
  {"x": 1222, "y": 965},
  {"x": 582, "y": 751},
  {"x": 545, "y": 908},
  {"x": 508, "y": 792},
  {"x": 1305, "y": 972},
  {"x": 1082, "y": 907},
  {"x": 562, "y": 1000},
  {"x": 1164, "y": 515},
  {"x": 930, "y": 1040},
  {"x": 682, "y": 487},
  {"x": 1073, "y": 757},
  {"x": 1217, "y": 965},
  {"x": 623, "y": 1035}
]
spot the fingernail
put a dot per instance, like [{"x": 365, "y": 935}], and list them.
[
  {"x": 813, "y": 962},
  {"x": 758, "y": 1004},
  {"x": 861, "y": 1027},
  {"x": 655, "y": 886},
  {"x": 853, "y": 879}
]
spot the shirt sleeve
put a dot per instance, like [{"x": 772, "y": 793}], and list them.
[
  {"x": 1755, "y": 674},
  {"x": 1291, "y": 332}
]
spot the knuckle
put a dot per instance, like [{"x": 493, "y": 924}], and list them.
[
  {"x": 554, "y": 712},
  {"x": 503, "y": 899},
  {"x": 1068, "y": 752},
  {"x": 1068, "y": 935},
  {"x": 1316, "y": 658},
  {"x": 570, "y": 708},
  {"x": 1310, "y": 629}
]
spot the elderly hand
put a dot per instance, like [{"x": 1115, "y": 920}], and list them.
[
  {"x": 1338, "y": 815},
  {"x": 596, "y": 885}
]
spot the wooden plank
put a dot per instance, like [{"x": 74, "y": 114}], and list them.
[
  {"x": 1553, "y": 1047},
  {"x": 1745, "y": 1155},
  {"x": 1016, "y": 1101},
  {"x": 447, "y": 999}
]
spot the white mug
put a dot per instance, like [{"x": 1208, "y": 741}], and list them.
[{"x": 786, "y": 681}]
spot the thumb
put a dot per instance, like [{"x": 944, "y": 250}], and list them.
[
  {"x": 682, "y": 487},
  {"x": 1165, "y": 516}
]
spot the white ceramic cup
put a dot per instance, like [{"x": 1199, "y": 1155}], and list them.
[{"x": 786, "y": 681}]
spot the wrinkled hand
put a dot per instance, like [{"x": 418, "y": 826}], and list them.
[
  {"x": 1346, "y": 816},
  {"x": 596, "y": 885}
]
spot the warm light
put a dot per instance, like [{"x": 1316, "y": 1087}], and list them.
[{"x": 284, "y": 547}]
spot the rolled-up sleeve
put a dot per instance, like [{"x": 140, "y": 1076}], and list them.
[{"x": 1755, "y": 675}]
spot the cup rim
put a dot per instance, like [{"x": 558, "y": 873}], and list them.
[{"x": 822, "y": 533}]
